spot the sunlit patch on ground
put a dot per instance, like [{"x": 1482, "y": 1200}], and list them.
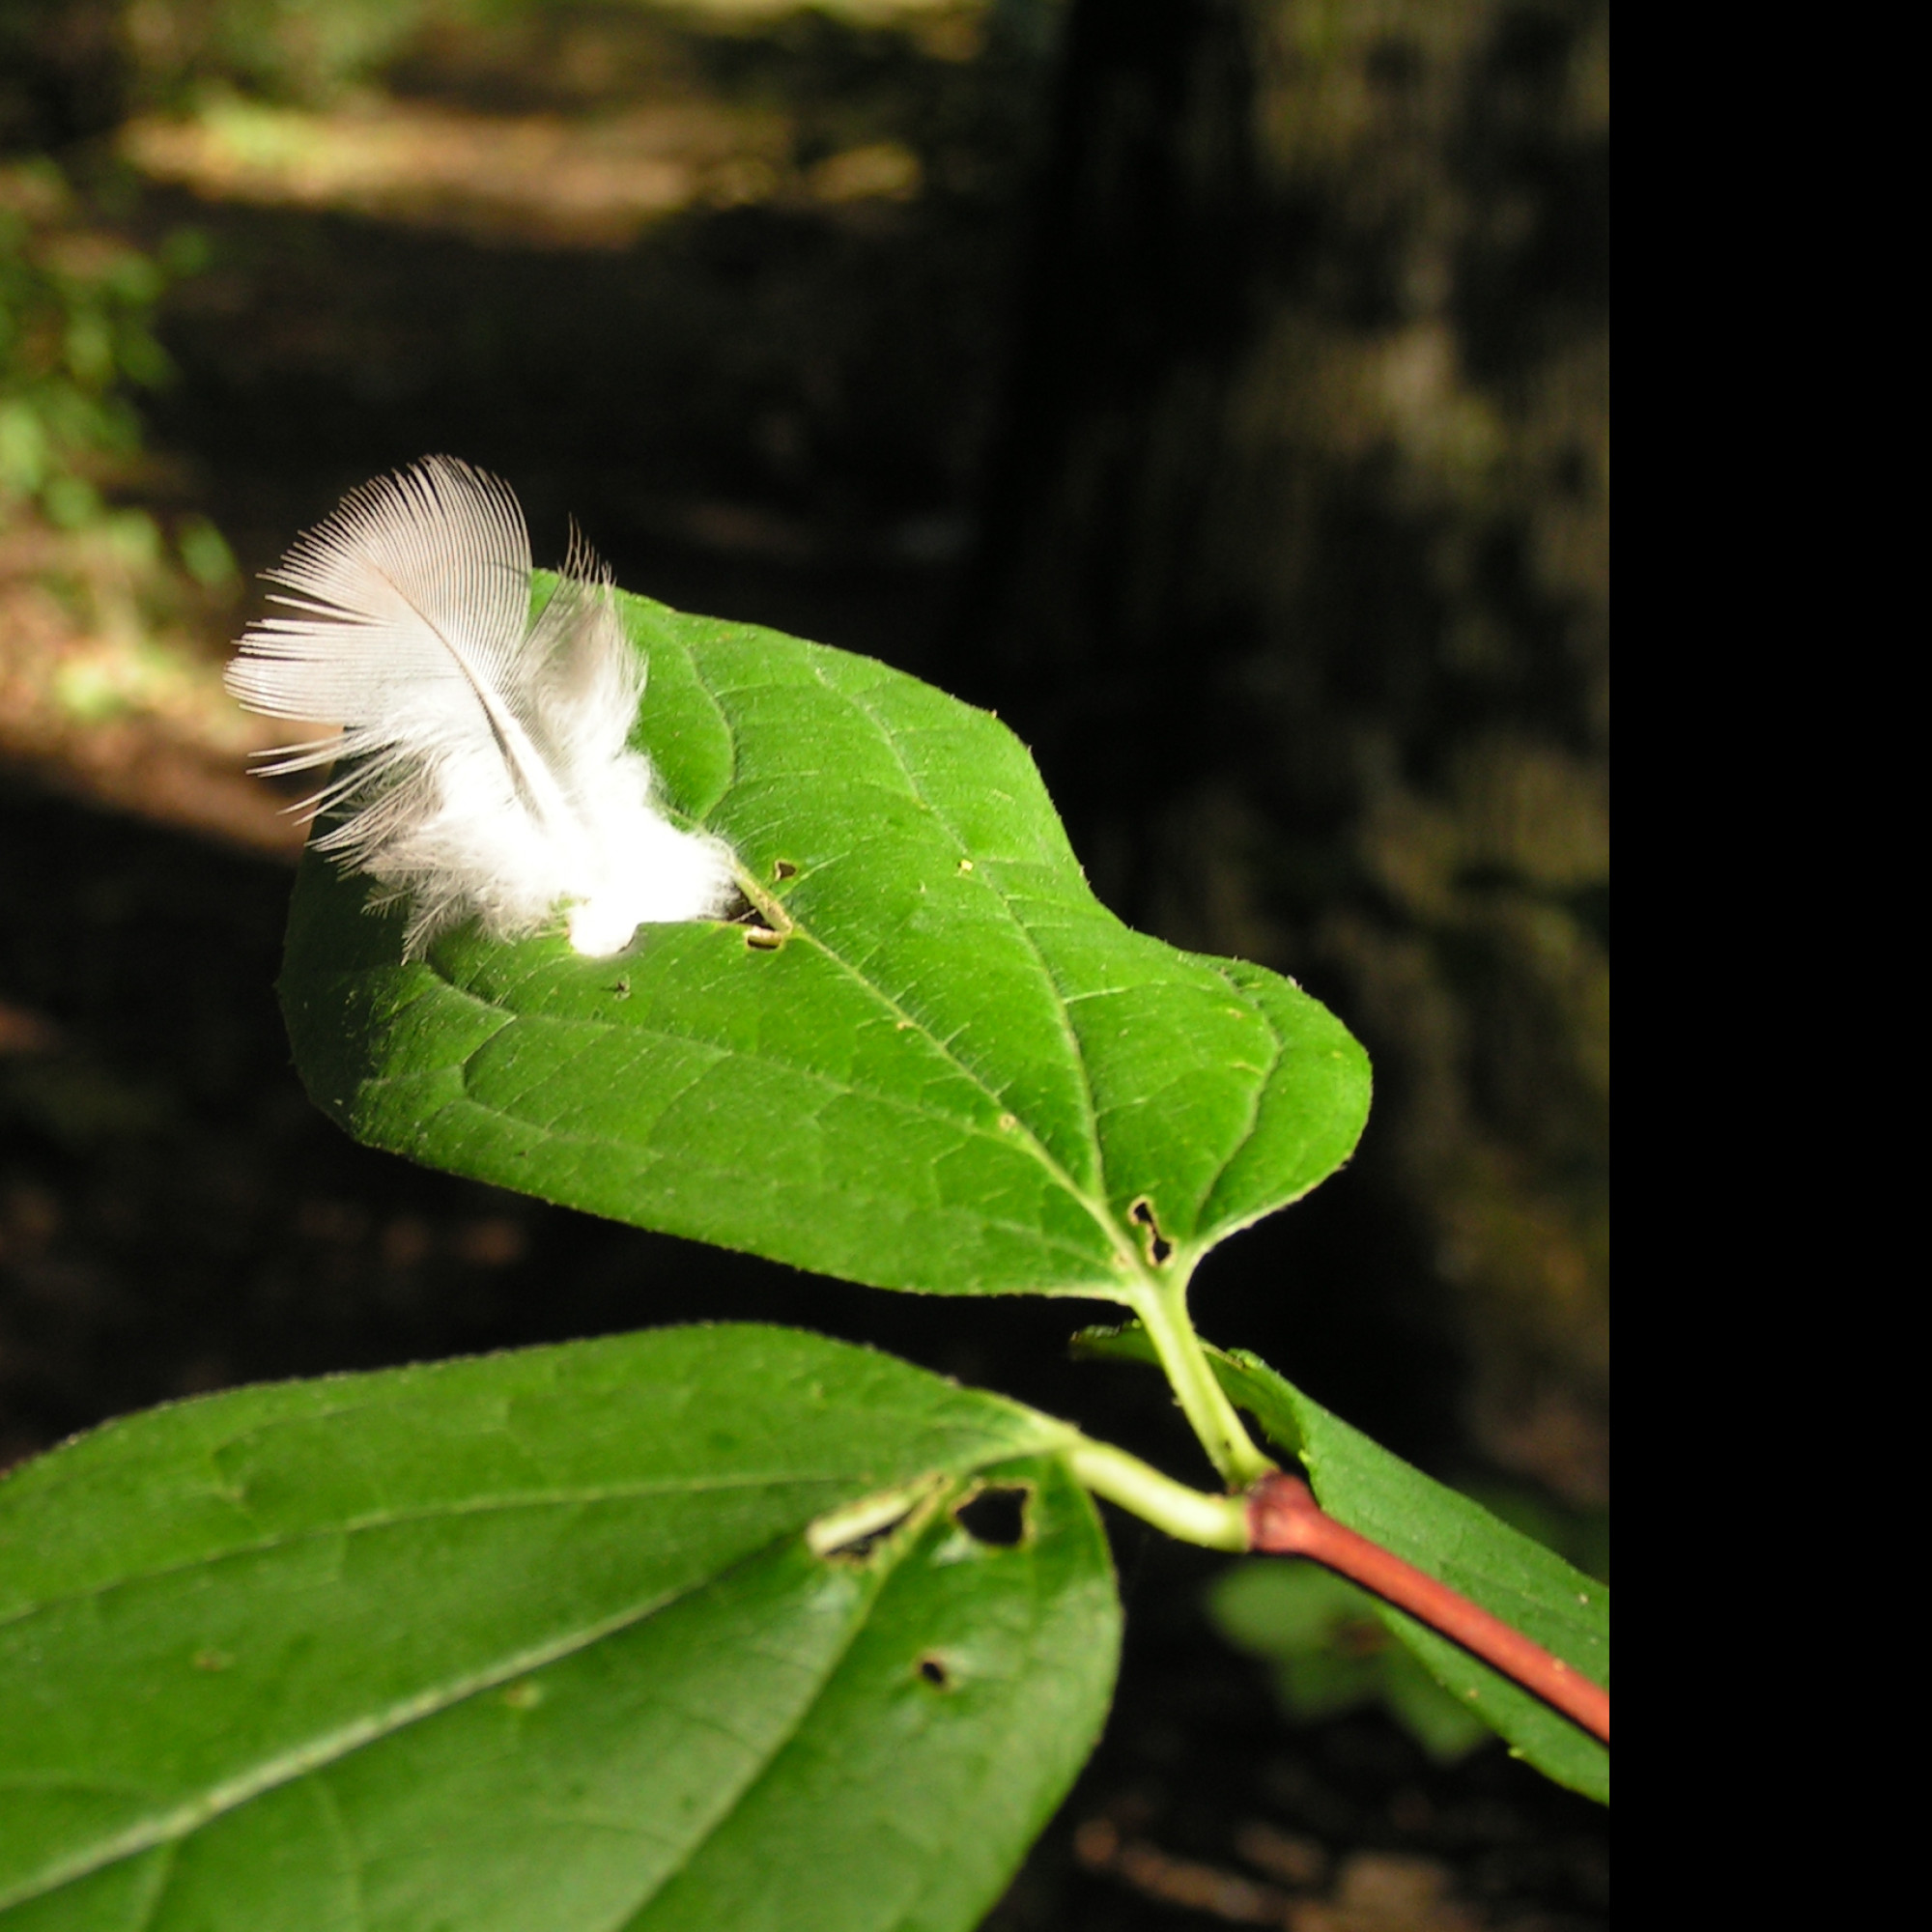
[
  {"x": 545, "y": 178},
  {"x": 102, "y": 696},
  {"x": 573, "y": 132}
]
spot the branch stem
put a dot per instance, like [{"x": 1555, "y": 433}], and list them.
[
  {"x": 1284, "y": 1520},
  {"x": 1189, "y": 1515},
  {"x": 1162, "y": 1308}
]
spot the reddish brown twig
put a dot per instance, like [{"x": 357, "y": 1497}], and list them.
[{"x": 1284, "y": 1520}]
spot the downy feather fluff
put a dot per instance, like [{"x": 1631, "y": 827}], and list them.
[{"x": 485, "y": 765}]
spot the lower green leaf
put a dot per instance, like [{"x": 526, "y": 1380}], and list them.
[{"x": 541, "y": 1642}]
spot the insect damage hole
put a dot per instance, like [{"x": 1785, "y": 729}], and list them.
[
  {"x": 784, "y": 868},
  {"x": 997, "y": 1517},
  {"x": 1158, "y": 1246},
  {"x": 763, "y": 920},
  {"x": 933, "y": 1670},
  {"x": 859, "y": 1548},
  {"x": 852, "y": 1533}
]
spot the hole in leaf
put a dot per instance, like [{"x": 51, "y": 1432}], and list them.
[
  {"x": 622, "y": 989},
  {"x": 997, "y": 1517},
  {"x": 934, "y": 1672},
  {"x": 763, "y": 920},
  {"x": 1158, "y": 1246},
  {"x": 784, "y": 868}
]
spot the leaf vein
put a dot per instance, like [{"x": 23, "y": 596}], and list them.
[
  {"x": 1024, "y": 933},
  {"x": 436, "y": 1512},
  {"x": 170, "y": 1828}
]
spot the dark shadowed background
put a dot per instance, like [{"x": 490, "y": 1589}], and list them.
[{"x": 1216, "y": 388}]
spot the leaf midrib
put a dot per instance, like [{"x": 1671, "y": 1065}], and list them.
[
  {"x": 907, "y": 1539},
  {"x": 1023, "y": 1137},
  {"x": 1070, "y": 1038},
  {"x": 1256, "y": 1099},
  {"x": 1099, "y": 1208},
  {"x": 1026, "y": 1137},
  {"x": 475, "y": 1506},
  {"x": 176, "y": 1824}
]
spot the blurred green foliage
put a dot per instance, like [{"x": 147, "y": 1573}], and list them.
[
  {"x": 1330, "y": 1653},
  {"x": 77, "y": 302},
  {"x": 76, "y": 308}
]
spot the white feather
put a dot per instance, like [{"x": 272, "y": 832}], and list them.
[{"x": 488, "y": 766}]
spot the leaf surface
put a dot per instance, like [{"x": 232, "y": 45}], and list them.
[
  {"x": 954, "y": 1070},
  {"x": 540, "y": 1643}
]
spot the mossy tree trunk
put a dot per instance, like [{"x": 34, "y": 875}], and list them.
[{"x": 1294, "y": 573}]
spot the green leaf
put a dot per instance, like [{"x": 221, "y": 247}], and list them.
[
  {"x": 546, "y": 1642},
  {"x": 1451, "y": 1538},
  {"x": 955, "y": 1071}
]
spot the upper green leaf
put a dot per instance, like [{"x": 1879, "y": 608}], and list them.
[
  {"x": 954, "y": 1071},
  {"x": 559, "y": 1641}
]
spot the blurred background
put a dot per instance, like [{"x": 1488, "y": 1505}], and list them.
[{"x": 1216, "y": 388}]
